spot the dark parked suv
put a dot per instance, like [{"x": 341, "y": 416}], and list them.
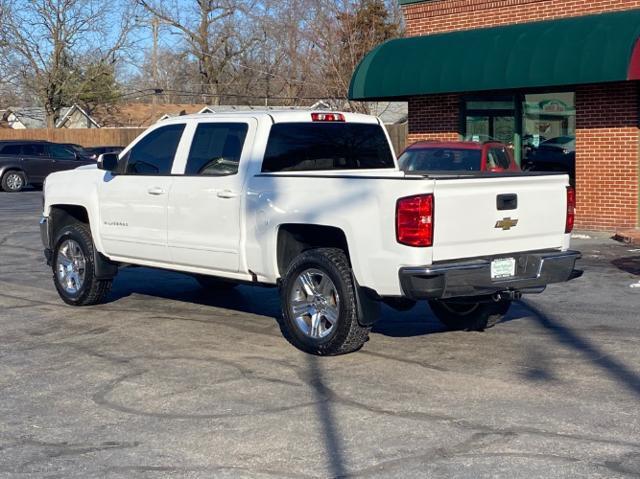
[{"x": 29, "y": 162}]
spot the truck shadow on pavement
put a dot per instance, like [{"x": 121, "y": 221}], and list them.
[
  {"x": 262, "y": 301},
  {"x": 183, "y": 288},
  {"x": 417, "y": 322}
]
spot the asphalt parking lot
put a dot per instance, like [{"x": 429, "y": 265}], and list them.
[{"x": 167, "y": 380}]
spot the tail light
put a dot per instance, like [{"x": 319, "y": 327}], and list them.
[
  {"x": 414, "y": 220},
  {"x": 571, "y": 209},
  {"x": 327, "y": 117}
]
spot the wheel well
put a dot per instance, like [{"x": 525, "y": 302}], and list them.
[
  {"x": 293, "y": 239},
  {"x": 63, "y": 215},
  {"x": 12, "y": 168}
]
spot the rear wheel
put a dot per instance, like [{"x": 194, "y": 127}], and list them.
[
  {"x": 471, "y": 316},
  {"x": 319, "y": 307},
  {"x": 13, "y": 181}
]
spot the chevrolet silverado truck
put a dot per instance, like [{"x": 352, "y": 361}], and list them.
[{"x": 312, "y": 203}]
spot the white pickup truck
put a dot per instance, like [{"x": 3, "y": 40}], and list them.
[{"x": 315, "y": 204}]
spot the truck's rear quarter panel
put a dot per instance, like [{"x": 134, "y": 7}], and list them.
[{"x": 364, "y": 208}]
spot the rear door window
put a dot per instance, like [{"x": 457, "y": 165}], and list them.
[
  {"x": 61, "y": 152},
  {"x": 34, "y": 150},
  {"x": 153, "y": 155},
  {"x": 498, "y": 158},
  {"x": 326, "y": 146},
  {"x": 14, "y": 150},
  {"x": 216, "y": 149}
]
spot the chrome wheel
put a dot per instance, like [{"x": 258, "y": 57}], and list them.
[
  {"x": 314, "y": 304},
  {"x": 14, "y": 181},
  {"x": 70, "y": 266}
]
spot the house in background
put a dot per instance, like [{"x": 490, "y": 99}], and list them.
[
  {"x": 21, "y": 118},
  {"x": 76, "y": 117}
]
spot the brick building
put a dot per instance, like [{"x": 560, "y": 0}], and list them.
[{"x": 558, "y": 80}]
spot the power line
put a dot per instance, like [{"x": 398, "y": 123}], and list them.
[{"x": 237, "y": 95}]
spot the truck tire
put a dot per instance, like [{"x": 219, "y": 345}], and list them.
[
  {"x": 212, "y": 283},
  {"x": 319, "y": 306},
  {"x": 469, "y": 316},
  {"x": 74, "y": 269},
  {"x": 13, "y": 181}
]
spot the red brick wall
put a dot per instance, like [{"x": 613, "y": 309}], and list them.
[
  {"x": 607, "y": 140},
  {"x": 449, "y": 15},
  {"x": 433, "y": 117}
]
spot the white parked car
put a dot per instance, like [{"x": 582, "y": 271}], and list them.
[{"x": 315, "y": 204}]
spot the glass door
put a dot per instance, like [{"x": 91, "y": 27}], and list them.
[
  {"x": 477, "y": 128},
  {"x": 492, "y": 119}
]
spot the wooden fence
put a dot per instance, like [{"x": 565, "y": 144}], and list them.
[
  {"x": 81, "y": 136},
  {"x": 398, "y": 134}
]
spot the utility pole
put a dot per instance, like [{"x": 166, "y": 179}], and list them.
[{"x": 155, "y": 25}]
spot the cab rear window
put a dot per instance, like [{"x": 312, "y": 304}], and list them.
[{"x": 326, "y": 146}]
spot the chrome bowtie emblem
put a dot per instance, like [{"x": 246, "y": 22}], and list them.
[{"x": 506, "y": 224}]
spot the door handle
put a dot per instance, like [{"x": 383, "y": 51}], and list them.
[
  {"x": 226, "y": 194},
  {"x": 155, "y": 191}
]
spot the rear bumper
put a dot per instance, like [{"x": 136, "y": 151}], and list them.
[{"x": 534, "y": 271}]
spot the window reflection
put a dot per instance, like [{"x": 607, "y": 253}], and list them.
[{"x": 549, "y": 132}]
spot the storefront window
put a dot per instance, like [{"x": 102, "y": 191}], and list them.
[
  {"x": 539, "y": 127},
  {"x": 549, "y": 132}
]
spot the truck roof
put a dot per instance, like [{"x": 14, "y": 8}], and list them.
[{"x": 277, "y": 116}]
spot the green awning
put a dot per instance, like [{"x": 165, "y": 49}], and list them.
[{"x": 580, "y": 50}]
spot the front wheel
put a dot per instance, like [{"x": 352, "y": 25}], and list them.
[
  {"x": 471, "y": 316},
  {"x": 74, "y": 268},
  {"x": 319, "y": 307}
]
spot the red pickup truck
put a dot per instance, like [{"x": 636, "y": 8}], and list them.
[{"x": 457, "y": 156}]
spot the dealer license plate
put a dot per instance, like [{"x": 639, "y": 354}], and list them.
[{"x": 503, "y": 268}]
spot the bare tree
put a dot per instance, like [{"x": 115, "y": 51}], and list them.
[
  {"x": 48, "y": 40},
  {"x": 213, "y": 31},
  {"x": 288, "y": 56},
  {"x": 346, "y": 31},
  {"x": 271, "y": 51}
]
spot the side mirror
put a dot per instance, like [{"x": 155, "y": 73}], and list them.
[{"x": 108, "y": 162}]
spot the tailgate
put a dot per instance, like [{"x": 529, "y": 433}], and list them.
[{"x": 469, "y": 223}]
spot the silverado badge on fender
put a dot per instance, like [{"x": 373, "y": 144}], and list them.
[{"x": 506, "y": 224}]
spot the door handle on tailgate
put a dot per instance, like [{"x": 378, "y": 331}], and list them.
[
  {"x": 155, "y": 191},
  {"x": 226, "y": 194},
  {"x": 507, "y": 202}
]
